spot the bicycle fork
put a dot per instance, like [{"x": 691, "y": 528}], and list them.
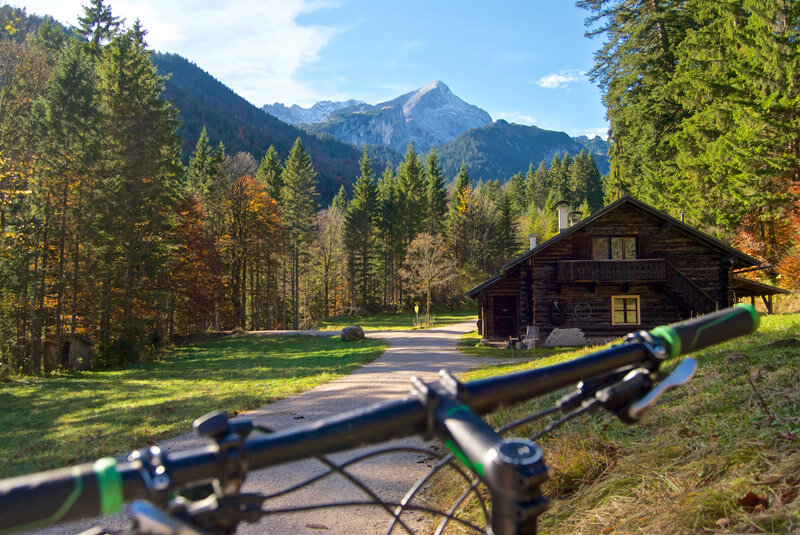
[{"x": 512, "y": 469}]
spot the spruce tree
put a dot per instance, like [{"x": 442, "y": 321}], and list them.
[
  {"x": 198, "y": 174},
  {"x": 359, "y": 232},
  {"x": 516, "y": 190},
  {"x": 634, "y": 68},
  {"x": 536, "y": 185},
  {"x": 298, "y": 203},
  {"x": 411, "y": 195},
  {"x": 270, "y": 174},
  {"x": 507, "y": 236},
  {"x": 436, "y": 195},
  {"x": 142, "y": 175},
  {"x": 390, "y": 235},
  {"x": 98, "y": 25},
  {"x": 70, "y": 145}
]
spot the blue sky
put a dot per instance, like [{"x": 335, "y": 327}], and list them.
[{"x": 524, "y": 61}]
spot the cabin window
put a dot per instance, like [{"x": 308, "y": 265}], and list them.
[
  {"x": 625, "y": 310},
  {"x": 614, "y": 248}
]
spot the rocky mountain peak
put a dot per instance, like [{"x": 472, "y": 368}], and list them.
[{"x": 428, "y": 116}]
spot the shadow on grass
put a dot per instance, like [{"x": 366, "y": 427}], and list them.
[{"x": 51, "y": 421}]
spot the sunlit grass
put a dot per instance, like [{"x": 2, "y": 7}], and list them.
[
  {"x": 732, "y": 430},
  {"x": 52, "y": 421},
  {"x": 398, "y": 322}
]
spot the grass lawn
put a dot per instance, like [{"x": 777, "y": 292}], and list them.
[
  {"x": 397, "y": 322},
  {"x": 50, "y": 422},
  {"x": 469, "y": 344},
  {"x": 689, "y": 464}
]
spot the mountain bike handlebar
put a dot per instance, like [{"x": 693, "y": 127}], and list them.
[{"x": 101, "y": 488}]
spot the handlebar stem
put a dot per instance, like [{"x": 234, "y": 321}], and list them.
[{"x": 512, "y": 469}]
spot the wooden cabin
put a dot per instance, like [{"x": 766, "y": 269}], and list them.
[{"x": 625, "y": 268}]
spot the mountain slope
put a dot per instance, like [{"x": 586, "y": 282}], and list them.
[
  {"x": 502, "y": 149},
  {"x": 429, "y": 116},
  {"x": 204, "y": 101},
  {"x": 317, "y": 113}
]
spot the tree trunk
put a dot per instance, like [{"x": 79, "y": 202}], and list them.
[
  {"x": 296, "y": 288},
  {"x": 268, "y": 297}
]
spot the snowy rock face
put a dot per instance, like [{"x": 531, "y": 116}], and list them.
[
  {"x": 434, "y": 115},
  {"x": 429, "y": 116},
  {"x": 317, "y": 113}
]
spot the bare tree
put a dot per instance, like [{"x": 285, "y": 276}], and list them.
[{"x": 427, "y": 267}]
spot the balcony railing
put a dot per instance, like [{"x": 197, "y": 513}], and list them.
[{"x": 612, "y": 270}]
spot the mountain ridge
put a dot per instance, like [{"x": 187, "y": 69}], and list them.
[
  {"x": 428, "y": 116},
  {"x": 513, "y": 148}
]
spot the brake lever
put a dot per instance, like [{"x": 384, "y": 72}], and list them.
[{"x": 679, "y": 376}]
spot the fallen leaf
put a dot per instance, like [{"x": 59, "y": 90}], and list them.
[
  {"x": 789, "y": 496},
  {"x": 753, "y": 503},
  {"x": 785, "y": 435}
]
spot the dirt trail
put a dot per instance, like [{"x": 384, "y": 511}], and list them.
[{"x": 411, "y": 353}]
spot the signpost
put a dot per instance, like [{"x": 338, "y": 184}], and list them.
[{"x": 416, "y": 311}]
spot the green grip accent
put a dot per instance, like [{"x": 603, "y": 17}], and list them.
[
  {"x": 109, "y": 484},
  {"x": 453, "y": 447},
  {"x": 753, "y": 314},
  {"x": 457, "y": 408},
  {"x": 59, "y": 514},
  {"x": 670, "y": 337}
]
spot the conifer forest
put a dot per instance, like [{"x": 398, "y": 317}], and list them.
[{"x": 110, "y": 233}]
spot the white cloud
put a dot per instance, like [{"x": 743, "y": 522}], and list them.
[
  {"x": 255, "y": 47},
  {"x": 515, "y": 117},
  {"x": 601, "y": 131},
  {"x": 560, "y": 79}
]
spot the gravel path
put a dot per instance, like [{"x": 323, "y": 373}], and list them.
[{"x": 411, "y": 353}]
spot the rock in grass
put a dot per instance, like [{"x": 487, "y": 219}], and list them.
[{"x": 353, "y": 333}]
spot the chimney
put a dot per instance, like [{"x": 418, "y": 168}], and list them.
[
  {"x": 533, "y": 241},
  {"x": 575, "y": 217},
  {"x": 563, "y": 218}
]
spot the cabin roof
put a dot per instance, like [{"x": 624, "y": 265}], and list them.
[
  {"x": 746, "y": 287},
  {"x": 743, "y": 258}
]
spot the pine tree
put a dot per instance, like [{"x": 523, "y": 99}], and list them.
[
  {"x": 507, "y": 235},
  {"x": 634, "y": 68},
  {"x": 98, "y": 25},
  {"x": 456, "y": 214},
  {"x": 436, "y": 195},
  {"x": 516, "y": 190},
  {"x": 298, "y": 203},
  {"x": 269, "y": 173},
  {"x": 411, "y": 195},
  {"x": 142, "y": 170},
  {"x": 738, "y": 150},
  {"x": 390, "y": 235},
  {"x": 462, "y": 179},
  {"x": 536, "y": 185},
  {"x": 340, "y": 199},
  {"x": 359, "y": 234},
  {"x": 70, "y": 145},
  {"x": 198, "y": 174},
  {"x": 557, "y": 179},
  {"x": 585, "y": 181}
]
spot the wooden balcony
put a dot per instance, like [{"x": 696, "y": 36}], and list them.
[{"x": 612, "y": 270}]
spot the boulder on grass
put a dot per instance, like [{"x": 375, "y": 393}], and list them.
[{"x": 352, "y": 334}]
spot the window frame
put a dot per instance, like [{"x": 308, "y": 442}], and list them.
[
  {"x": 625, "y": 311},
  {"x": 609, "y": 239}
]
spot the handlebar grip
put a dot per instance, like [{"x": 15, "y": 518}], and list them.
[
  {"x": 82, "y": 491},
  {"x": 707, "y": 330}
]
